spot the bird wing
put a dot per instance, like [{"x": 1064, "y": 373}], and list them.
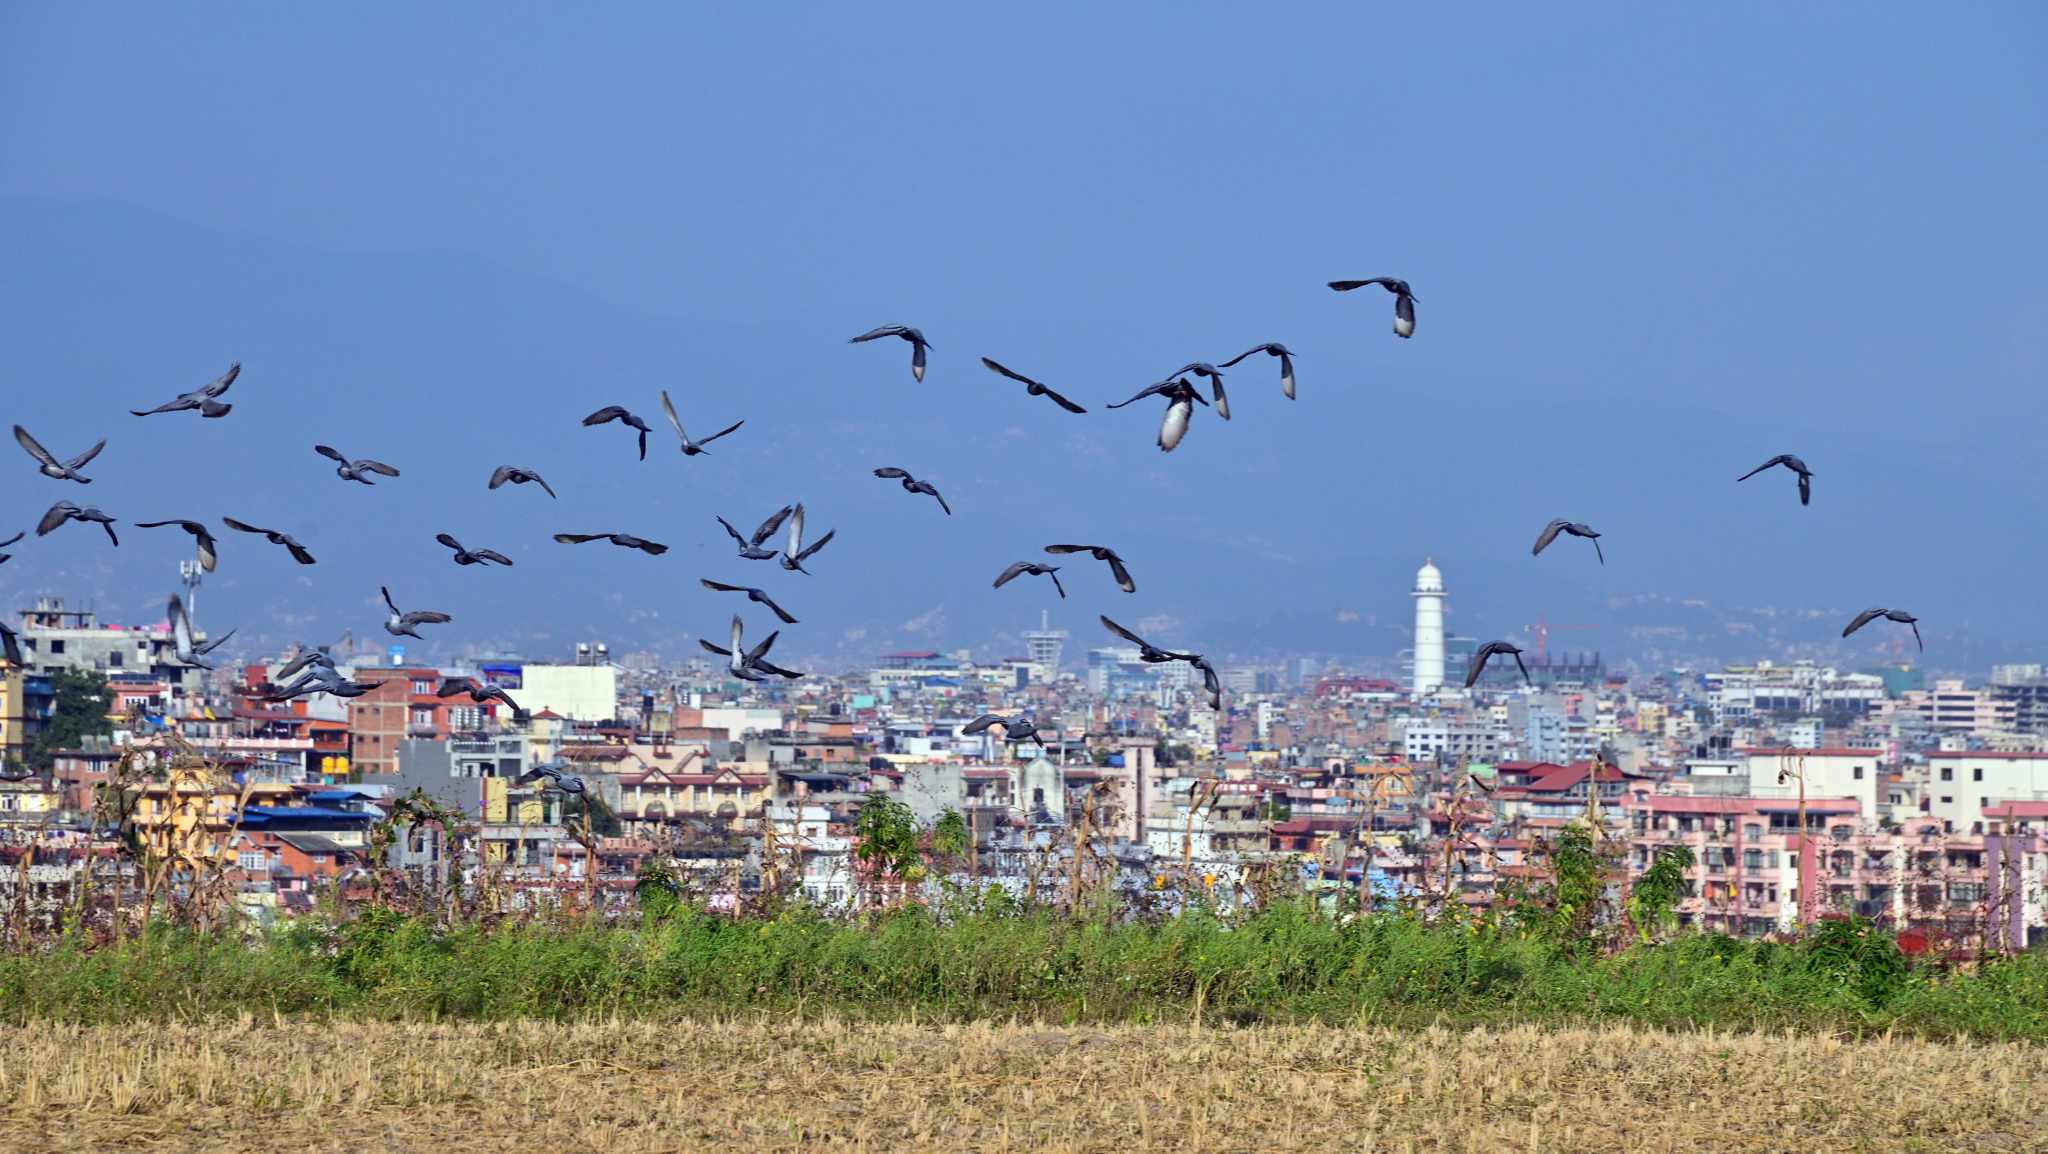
[
  {"x": 1805, "y": 489},
  {"x": 426, "y": 617},
  {"x": 245, "y": 527},
  {"x": 608, "y": 413},
  {"x": 580, "y": 538},
  {"x": 1012, "y": 374},
  {"x": 220, "y": 384},
  {"x": 494, "y": 555},
  {"x": 778, "y": 610},
  {"x": 937, "y": 496},
  {"x": 1404, "y": 307},
  {"x": 1345, "y": 286},
  {"x": 80, "y": 460},
  {"x": 1126, "y": 634},
  {"x": 890, "y": 472},
  {"x": 668, "y": 406},
  {"x": 1777, "y": 460},
  {"x": 377, "y": 467},
  {"x": 386, "y": 591},
  {"x": 773, "y": 523},
  {"x": 1243, "y": 355},
  {"x": 9, "y": 646},
  {"x": 1141, "y": 394},
  {"x": 796, "y": 531},
  {"x": 777, "y": 670},
  {"x": 761, "y": 650},
  {"x": 1061, "y": 401},
  {"x": 1070, "y": 548},
  {"x": 714, "y": 648},
  {"x": 816, "y": 545},
  {"x": 166, "y": 407},
  {"x": 1222, "y": 401},
  {"x": 453, "y": 686},
  {"x": 1010, "y": 574},
  {"x": 1122, "y": 575},
  {"x": 35, "y": 449},
  {"x": 651, "y": 548},
  {"x": 1525, "y": 669},
  {"x": 728, "y": 528},
  {"x": 722, "y": 587},
  {"x": 330, "y": 453},
  {"x": 298, "y": 552},
  {"x": 884, "y": 331},
  {"x": 1056, "y": 582},
  {"x": 543, "y": 483},
  {"x": 1478, "y": 664},
  {"x": 13, "y": 539},
  {"x": 450, "y": 541},
  {"x": 1548, "y": 535},
  {"x": 216, "y": 643},
  {"x": 1862, "y": 619},
  {"x": 1915, "y": 624},
  {"x": 181, "y": 625},
  {"x": 502, "y": 474},
  {"x": 738, "y": 630},
  {"x": 981, "y": 724},
  {"x": 56, "y": 515},
  {"x": 721, "y": 432}
]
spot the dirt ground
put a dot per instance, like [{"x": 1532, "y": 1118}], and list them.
[{"x": 761, "y": 1086}]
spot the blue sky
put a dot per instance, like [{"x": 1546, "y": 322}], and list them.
[{"x": 1653, "y": 247}]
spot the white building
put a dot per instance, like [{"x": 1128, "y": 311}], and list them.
[
  {"x": 1429, "y": 629},
  {"x": 578, "y": 692},
  {"x": 1961, "y": 786},
  {"x": 1853, "y": 773}
]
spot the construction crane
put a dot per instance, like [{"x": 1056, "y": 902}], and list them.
[{"x": 1541, "y": 631}]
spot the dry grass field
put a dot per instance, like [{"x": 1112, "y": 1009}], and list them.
[{"x": 760, "y": 1086}]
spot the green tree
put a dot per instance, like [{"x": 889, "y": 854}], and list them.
[
  {"x": 950, "y": 836},
  {"x": 1655, "y": 896},
  {"x": 603, "y": 822},
  {"x": 80, "y": 711},
  {"x": 885, "y": 833}
]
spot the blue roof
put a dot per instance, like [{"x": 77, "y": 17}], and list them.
[
  {"x": 267, "y": 813},
  {"x": 942, "y": 681},
  {"x": 1116, "y": 760},
  {"x": 338, "y": 795}
]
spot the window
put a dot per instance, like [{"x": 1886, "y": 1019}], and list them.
[
  {"x": 252, "y": 860},
  {"x": 1948, "y": 773},
  {"x": 1857, "y": 773},
  {"x": 114, "y": 659},
  {"x": 1947, "y": 800},
  {"x": 56, "y": 647},
  {"x": 1977, "y": 774}
]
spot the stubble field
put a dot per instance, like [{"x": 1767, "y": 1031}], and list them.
[{"x": 780, "y": 1085}]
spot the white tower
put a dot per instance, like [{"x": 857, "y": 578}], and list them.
[
  {"x": 1045, "y": 644},
  {"x": 1429, "y": 628}
]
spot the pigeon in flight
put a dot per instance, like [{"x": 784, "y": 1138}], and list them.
[
  {"x": 795, "y": 552},
  {"x": 1210, "y": 681},
  {"x": 478, "y": 693},
  {"x": 1272, "y": 348},
  {"x": 181, "y": 636},
  {"x": 1036, "y": 570},
  {"x": 471, "y": 556},
  {"x": 1404, "y": 300},
  {"x": 755, "y": 595},
  {"x": 1215, "y": 375},
  {"x": 208, "y": 547},
  {"x": 51, "y": 467},
  {"x": 354, "y": 470},
  {"x": 64, "y": 511},
  {"x": 298, "y": 551},
  {"x": 553, "y": 772},
  {"x": 618, "y": 413},
  {"x": 1487, "y": 652},
  {"x": 913, "y": 485},
  {"x": 1034, "y": 388},
  {"x": 741, "y": 662},
  {"x": 918, "y": 344},
  {"x": 623, "y": 540},
  {"x": 1898, "y": 615},
  {"x": 320, "y": 678},
  {"x": 1796, "y": 465},
  {"x": 1102, "y": 553},
  {"x": 306, "y": 658},
  {"x": 403, "y": 624},
  {"x": 10, "y": 541},
  {"x": 750, "y": 547},
  {"x": 1574, "y": 528},
  {"x": 691, "y": 448},
  {"x": 10, "y": 646},
  {"x": 1180, "y": 408},
  {"x": 1147, "y": 652},
  {"x": 518, "y": 476},
  {"x": 205, "y": 398},
  {"x": 1020, "y": 728}
]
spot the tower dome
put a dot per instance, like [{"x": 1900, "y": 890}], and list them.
[{"x": 1429, "y": 579}]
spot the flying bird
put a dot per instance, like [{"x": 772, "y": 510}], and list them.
[
  {"x": 320, "y": 678},
  {"x": 1020, "y": 728},
  {"x": 1486, "y": 653},
  {"x": 1034, "y": 388},
  {"x": 1272, "y": 348},
  {"x": 181, "y": 636},
  {"x": 208, "y": 547},
  {"x": 1215, "y": 375},
  {"x": 1210, "y": 681},
  {"x": 306, "y": 658},
  {"x": 618, "y": 413},
  {"x": 204, "y": 398},
  {"x": 50, "y": 466},
  {"x": 741, "y": 662},
  {"x": 1147, "y": 652},
  {"x": 1180, "y": 408},
  {"x": 1574, "y": 528},
  {"x": 1036, "y": 570},
  {"x": 691, "y": 448},
  {"x": 1898, "y": 615},
  {"x": 518, "y": 476},
  {"x": 750, "y": 547},
  {"x": 918, "y": 344},
  {"x": 403, "y": 624},
  {"x": 795, "y": 553},
  {"x": 10, "y": 646},
  {"x": 623, "y": 540},
  {"x": 471, "y": 556},
  {"x": 1404, "y": 300},
  {"x": 1796, "y": 465},
  {"x": 755, "y": 595},
  {"x": 1102, "y": 553},
  {"x": 10, "y": 541},
  {"x": 913, "y": 485},
  {"x": 553, "y": 773},
  {"x": 354, "y": 470},
  {"x": 298, "y": 551},
  {"x": 64, "y": 511},
  {"x": 478, "y": 693}
]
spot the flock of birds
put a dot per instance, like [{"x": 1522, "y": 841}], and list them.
[{"x": 313, "y": 671}]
